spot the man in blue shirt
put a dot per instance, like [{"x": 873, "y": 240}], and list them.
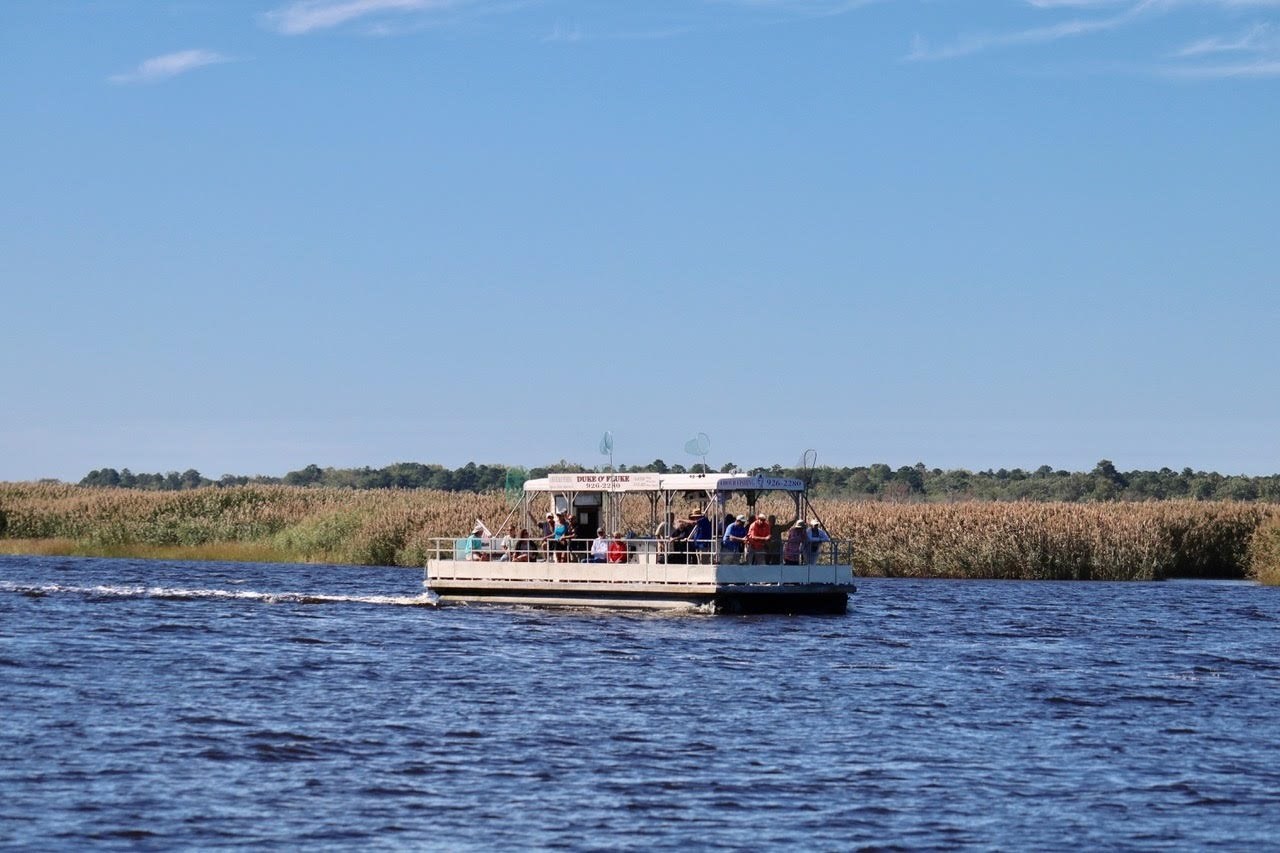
[
  {"x": 700, "y": 536},
  {"x": 735, "y": 539}
]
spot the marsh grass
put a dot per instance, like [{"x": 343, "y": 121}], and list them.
[
  {"x": 1057, "y": 541},
  {"x": 1264, "y": 553}
]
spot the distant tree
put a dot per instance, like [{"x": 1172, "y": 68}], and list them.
[
  {"x": 308, "y": 476},
  {"x": 103, "y": 477},
  {"x": 911, "y": 478}
]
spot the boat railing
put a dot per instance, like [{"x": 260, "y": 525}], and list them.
[{"x": 834, "y": 552}]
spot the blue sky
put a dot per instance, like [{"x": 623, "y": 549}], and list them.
[{"x": 248, "y": 236}]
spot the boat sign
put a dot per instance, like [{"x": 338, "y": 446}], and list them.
[{"x": 603, "y": 482}]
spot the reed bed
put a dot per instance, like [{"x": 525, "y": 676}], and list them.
[
  {"x": 1051, "y": 541},
  {"x": 1264, "y": 552}
]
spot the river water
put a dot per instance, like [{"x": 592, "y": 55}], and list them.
[{"x": 153, "y": 705}]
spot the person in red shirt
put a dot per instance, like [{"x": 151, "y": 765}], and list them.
[
  {"x": 617, "y": 549},
  {"x": 758, "y": 540}
]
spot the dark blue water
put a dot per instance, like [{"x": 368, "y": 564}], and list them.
[{"x": 158, "y": 705}]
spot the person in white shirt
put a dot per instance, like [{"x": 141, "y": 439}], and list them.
[
  {"x": 507, "y": 545},
  {"x": 816, "y": 537},
  {"x": 599, "y": 548}
]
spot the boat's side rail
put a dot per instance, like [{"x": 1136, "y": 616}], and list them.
[{"x": 650, "y": 551}]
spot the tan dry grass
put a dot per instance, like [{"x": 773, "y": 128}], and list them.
[{"x": 1114, "y": 541}]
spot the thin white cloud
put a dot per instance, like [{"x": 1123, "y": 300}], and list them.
[
  {"x": 1257, "y": 69},
  {"x": 1260, "y": 37},
  {"x": 807, "y": 7},
  {"x": 571, "y": 34},
  {"x": 1124, "y": 14},
  {"x": 306, "y": 16},
  {"x": 968, "y": 45},
  {"x": 169, "y": 65}
]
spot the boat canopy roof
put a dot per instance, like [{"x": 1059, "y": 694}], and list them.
[{"x": 644, "y": 481}]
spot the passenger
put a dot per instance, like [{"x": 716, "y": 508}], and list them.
[
  {"x": 547, "y": 528},
  {"x": 561, "y": 536},
  {"x": 758, "y": 540},
  {"x": 776, "y": 532},
  {"x": 507, "y": 545},
  {"x": 678, "y": 544},
  {"x": 796, "y": 547},
  {"x": 474, "y": 546},
  {"x": 599, "y": 548},
  {"x": 666, "y": 527},
  {"x": 700, "y": 536},
  {"x": 817, "y": 536},
  {"x": 545, "y": 525},
  {"x": 524, "y": 548},
  {"x": 735, "y": 540},
  {"x": 617, "y": 548},
  {"x": 570, "y": 535}
]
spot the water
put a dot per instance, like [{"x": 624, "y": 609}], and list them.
[{"x": 149, "y": 705}]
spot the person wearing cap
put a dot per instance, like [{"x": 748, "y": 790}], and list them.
[
  {"x": 546, "y": 525},
  {"x": 735, "y": 540},
  {"x": 473, "y": 546},
  {"x": 758, "y": 540},
  {"x": 546, "y": 528},
  {"x": 796, "y": 544},
  {"x": 816, "y": 537}
]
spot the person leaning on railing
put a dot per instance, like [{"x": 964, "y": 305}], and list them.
[
  {"x": 561, "y": 536},
  {"x": 796, "y": 546},
  {"x": 700, "y": 535},
  {"x": 735, "y": 540},
  {"x": 758, "y": 540}
]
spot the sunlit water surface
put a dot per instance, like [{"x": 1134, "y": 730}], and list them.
[{"x": 155, "y": 705}]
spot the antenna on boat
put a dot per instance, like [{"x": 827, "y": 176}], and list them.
[
  {"x": 698, "y": 446},
  {"x": 606, "y": 447}
]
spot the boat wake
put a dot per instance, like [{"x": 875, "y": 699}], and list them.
[{"x": 426, "y": 599}]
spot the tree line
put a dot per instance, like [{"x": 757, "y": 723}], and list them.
[{"x": 875, "y": 482}]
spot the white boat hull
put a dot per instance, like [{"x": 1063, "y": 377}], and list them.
[{"x": 646, "y": 585}]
